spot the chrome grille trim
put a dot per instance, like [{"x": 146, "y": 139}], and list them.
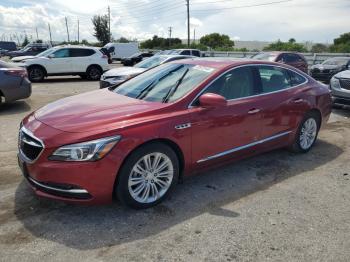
[{"x": 32, "y": 143}]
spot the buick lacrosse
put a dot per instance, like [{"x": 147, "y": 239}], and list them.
[{"x": 134, "y": 142}]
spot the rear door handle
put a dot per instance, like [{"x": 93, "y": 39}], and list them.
[
  {"x": 253, "y": 111},
  {"x": 299, "y": 100}
]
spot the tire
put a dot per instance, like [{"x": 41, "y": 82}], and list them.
[
  {"x": 36, "y": 74},
  {"x": 307, "y": 133},
  {"x": 93, "y": 73},
  {"x": 132, "y": 187},
  {"x": 2, "y": 99}
]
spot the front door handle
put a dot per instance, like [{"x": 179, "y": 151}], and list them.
[
  {"x": 253, "y": 111},
  {"x": 299, "y": 100}
]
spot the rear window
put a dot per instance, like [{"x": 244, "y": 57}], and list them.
[{"x": 81, "y": 52}]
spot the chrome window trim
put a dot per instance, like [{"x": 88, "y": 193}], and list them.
[
  {"x": 29, "y": 133},
  {"x": 263, "y": 94},
  {"x": 71, "y": 191},
  {"x": 244, "y": 147}
]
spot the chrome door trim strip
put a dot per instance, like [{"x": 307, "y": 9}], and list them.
[
  {"x": 244, "y": 147},
  {"x": 262, "y": 94}
]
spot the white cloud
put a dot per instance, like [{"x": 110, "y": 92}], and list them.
[{"x": 315, "y": 20}]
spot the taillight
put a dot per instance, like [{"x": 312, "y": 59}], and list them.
[{"x": 16, "y": 72}]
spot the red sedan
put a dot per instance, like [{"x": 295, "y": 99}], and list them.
[{"x": 137, "y": 140}]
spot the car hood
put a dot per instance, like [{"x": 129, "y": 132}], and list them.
[
  {"x": 125, "y": 70},
  {"x": 96, "y": 110},
  {"x": 21, "y": 58},
  {"x": 322, "y": 67},
  {"x": 343, "y": 74}
]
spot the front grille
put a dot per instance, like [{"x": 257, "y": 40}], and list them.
[
  {"x": 345, "y": 83},
  {"x": 30, "y": 147}
]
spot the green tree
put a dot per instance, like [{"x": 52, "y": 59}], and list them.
[
  {"x": 25, "y": 41},
  {"x": 291, "y": 45},
  {"x": 341, "y": 44},
  {"x": 123, "y": 40},
  {"x": 319, "y": 48},
  {"x": 216, "y": 40},
  {"x": 84, "y": 42},
  {"x": 101, "y": 31},
  {"x": 162, "y": 43}
]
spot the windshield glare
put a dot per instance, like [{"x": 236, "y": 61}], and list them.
[
  {"x": 166, "y": 83},
  {"x": 336, "y": 61},
  {"x": 151, "y": 62},
  {"x": 265, "y": 56}
]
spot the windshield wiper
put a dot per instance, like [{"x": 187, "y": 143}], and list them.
[
  {"x": 148, "y": 88},
  {"x": 172, "y": 90}
]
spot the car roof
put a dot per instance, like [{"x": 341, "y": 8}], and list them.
[
  {"x": 224, "y": 62},
  {"x": 76, "y": 46}
]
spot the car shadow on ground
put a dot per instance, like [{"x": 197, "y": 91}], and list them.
[
  {"x": 83, "y": 227},
  {"x": 14, "y": 108},
  {"x": 63, "y": 80}
]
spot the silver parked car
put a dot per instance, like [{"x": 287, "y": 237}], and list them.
[
  {"x": 14, "y": 83},
  {"x": 340, "y": 87},
  {"x": 116, "y": 76}
]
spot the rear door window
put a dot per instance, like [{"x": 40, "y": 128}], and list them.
[
  {"x": 273, "y": 78},
  {"x": 81, "y": 52},
  {"x": 185, "y": 52},
  {"x": 196, "y": 53}
]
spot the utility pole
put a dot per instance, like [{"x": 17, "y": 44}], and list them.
[
  {"x": 109, "y": 23},
  {"x": 170, "y": 30},
  {"x": 188, "y": 22},
  {"x": 37, "y": 35},
  {"x": 194, "y": 35},
  {"x": 67, "y": 29},
  {"x": 78, "y": 31},
  {"x": 50, "y": 33}
]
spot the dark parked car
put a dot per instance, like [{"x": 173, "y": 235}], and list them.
[
  {"x": 135, "y": 142},
  {"x": 325, "y": 71},
  {"x": 10, "y": 46},
  {"x": 340, "y": 87},
  {"x": 14, "y": 83},
  {"x": 289, "y": 58},
  {"x": 192, "y": 52},
  {"x": 3, "y": 51},
  {"x": 32, "y": 50},
  {"x": 135, "y": 58}
]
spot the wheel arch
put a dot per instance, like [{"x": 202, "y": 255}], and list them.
[
  {"x": 37, "y": 65},
  {"x": 174, "y": 146},
  {"x": 317, "y": 113},
  {"x": 96, "y": 65}
]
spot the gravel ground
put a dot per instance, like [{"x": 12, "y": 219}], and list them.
[{"x": 274, "y": 207}]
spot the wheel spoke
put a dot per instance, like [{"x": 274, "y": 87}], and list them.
[
  {"x": 136, "y": 180},
  {"x": 138, "y": 169},
  {"x": 161, "y": 183},
  {"x": 139, "y": 189},
  {"x": 147, "y": 162}
]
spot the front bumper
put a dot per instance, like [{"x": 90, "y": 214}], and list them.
[
  {"x": 323, "y": 77},
  {"x": 90, "y": 182}
]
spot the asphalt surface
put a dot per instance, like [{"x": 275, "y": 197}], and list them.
[{"x": 277, "y": 206}]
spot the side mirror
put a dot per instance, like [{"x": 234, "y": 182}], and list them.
[
  {"x": 51, "y": 56},
  {"x": 212, "y": 100}
]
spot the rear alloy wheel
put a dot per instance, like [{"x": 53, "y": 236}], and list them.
[
  {"x": 36, "y": 74},
  {"x": 148, "y": 176},
  {"x": 307, "y": 134},
  {"x": 93, "y": 73}
]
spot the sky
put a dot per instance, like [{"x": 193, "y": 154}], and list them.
[{"x": 305, "y": 20}]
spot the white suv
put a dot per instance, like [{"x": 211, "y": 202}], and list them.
[{"x": 87, "y": 62}]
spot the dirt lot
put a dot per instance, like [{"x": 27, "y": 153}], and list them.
[{"x": 274, "y": 207}]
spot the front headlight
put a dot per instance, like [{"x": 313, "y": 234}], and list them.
[
  {"x": 335, "y": 83},
  {"x": 86, "y": 151}
]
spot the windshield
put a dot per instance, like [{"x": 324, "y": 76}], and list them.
[
  {"x": 336, "y": 61},
  {"x": 166, "y": 83},
  {"x": 151, "y": 62},
  {"x": 46, "y": 52},
  {"x": 265, "y": 56}
]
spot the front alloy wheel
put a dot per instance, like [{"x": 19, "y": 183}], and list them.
[
  {"x": 151, "y": 177},
  {"x": 147, "y": 176}
]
